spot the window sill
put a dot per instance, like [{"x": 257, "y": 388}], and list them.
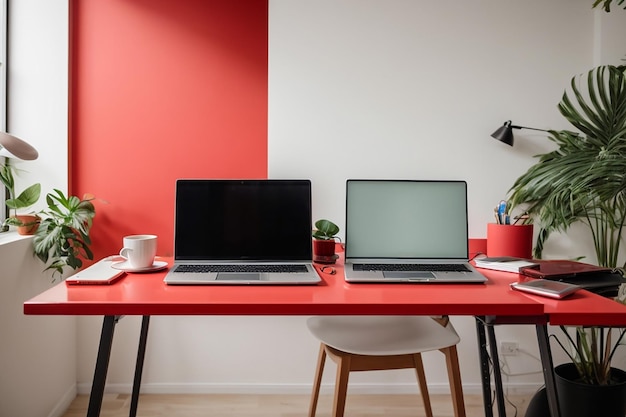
[{"x": 6, "y": 238}]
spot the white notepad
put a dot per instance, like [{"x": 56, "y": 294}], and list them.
[
  {"x": 505, "y": 263},
  {"x": 100, "y": 273}
]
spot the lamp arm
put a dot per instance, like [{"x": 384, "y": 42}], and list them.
[{"x": 530, "y": 128}]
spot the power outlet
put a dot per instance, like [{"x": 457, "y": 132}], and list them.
[{"x": 509, "y": 348}]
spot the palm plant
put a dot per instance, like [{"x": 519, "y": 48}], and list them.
[
  {"x": 584, "y": 180},
  {"x": 606, "y": 4},
  {"x": 592, "y": 352}
]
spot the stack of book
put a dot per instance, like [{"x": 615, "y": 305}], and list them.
[{"x": 505, "y": 263}]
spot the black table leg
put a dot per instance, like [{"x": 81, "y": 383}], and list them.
[
  {"x": 102, "y": 366},
  {"x": 141, "y": 352},
  {"x": 484, "y": 365},
  {"x": 548, "y": 369},
  {"x": 497, "y": 374}
]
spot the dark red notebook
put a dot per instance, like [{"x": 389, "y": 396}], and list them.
[
  {"x": 562, "y": 269},
  {"x": 602, "y": 281}
]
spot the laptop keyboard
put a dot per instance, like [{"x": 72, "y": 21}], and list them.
[
  {"x": 286, "y": 268},
  {"x": 412, "y": 267}
]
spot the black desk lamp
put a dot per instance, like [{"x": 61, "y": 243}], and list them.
[{"x": 505, "y": 132}]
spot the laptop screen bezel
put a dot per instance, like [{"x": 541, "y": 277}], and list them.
[
  {"x": 461, "y": 255},
  {"x": 290, "y": 241}
]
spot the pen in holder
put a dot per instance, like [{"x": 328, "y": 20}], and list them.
[{"x": 510, "y": 240}]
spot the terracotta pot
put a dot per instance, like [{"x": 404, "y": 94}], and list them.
[{"x": 30, "y": 223}]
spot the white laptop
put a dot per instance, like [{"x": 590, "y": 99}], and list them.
[
  {"x": 407, "y": 231},
  {"x": 242, "y": 232}
]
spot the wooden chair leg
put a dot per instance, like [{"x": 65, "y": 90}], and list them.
[
  {"x": 454, "y": 377},
  {"x": 421, "y": 379},
  {"x": 321, "y": 360},
  {"x": 341, "y": 385}
]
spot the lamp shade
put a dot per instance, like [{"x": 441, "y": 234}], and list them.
[
  {"x": 504, "y": 133},
  {"x": 13, "y": 147}
]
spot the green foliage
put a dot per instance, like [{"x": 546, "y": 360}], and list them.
[
  {"x": 606, "y": 4},
  {"x": 27, "y": 198},
  {"x": 6, "y": 177},
  {"x": 592, "y": 352},
  {"x": 584, "y": 178},
  {"x": 325, "y": 230},
  {"x": 63, "y": 235}
]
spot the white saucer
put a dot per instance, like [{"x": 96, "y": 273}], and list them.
[{"x": 125, "y": 266}]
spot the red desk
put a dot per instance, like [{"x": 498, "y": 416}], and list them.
[
  {"x": 585, "y": 309},
  {"x": 146, "y": 294},
  {"x": 492, "y": 303}
]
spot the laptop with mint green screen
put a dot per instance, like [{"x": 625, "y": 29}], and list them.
[{"x": 407, "y": 231}]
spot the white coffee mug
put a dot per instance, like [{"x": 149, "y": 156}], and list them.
[{"x": 139, "y": 250}]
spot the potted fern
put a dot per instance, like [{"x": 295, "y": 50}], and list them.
[
  {"x": 62, "y": 238},
  {"x": 584, "y": 180},
  {"x": 324, "y": 236}
]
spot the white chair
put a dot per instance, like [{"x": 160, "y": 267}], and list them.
[{"x": 371, "y": 343}]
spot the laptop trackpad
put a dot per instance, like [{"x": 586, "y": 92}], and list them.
[
  {"x": 238, "y": 276},
  {"x": 416, "y": 275}
]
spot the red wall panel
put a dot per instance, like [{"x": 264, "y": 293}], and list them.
[{"x": 161, "y": 90}]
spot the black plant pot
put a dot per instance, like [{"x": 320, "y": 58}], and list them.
[
  {"x": 538, "y": 405},
  {"x": 582, "y": 400}
]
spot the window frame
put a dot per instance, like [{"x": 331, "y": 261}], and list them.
[{"x": 3, "y": 96}]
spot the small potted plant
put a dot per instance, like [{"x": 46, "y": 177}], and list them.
[
  {"x": 324, "y": 236},
  {"x": 63, "y": 235},
  {"x": 26, "y": 224}
]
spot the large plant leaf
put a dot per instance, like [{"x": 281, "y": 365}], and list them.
[
  {"x": 584, "y": 179},
  {"x": 7, "y": 179},
  {"x": 27, "y": 198}
]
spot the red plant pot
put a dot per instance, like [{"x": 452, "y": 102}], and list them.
[{"x": 323, "y": 247}]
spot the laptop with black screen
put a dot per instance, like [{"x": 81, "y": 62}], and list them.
[
  {"x": 407, "y": 231},
  {"x": 242, "y": 232}
]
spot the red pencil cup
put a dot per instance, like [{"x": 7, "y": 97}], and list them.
[{"x": 510, "y": 240}]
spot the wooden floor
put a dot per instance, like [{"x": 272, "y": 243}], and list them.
[{"x": 238, "y": 405}]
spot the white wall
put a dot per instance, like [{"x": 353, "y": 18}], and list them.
[
  {"x": 413, "y": 89},
  {"x": 38, "y": 354},
  {"x": 364, "y": 88}
]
